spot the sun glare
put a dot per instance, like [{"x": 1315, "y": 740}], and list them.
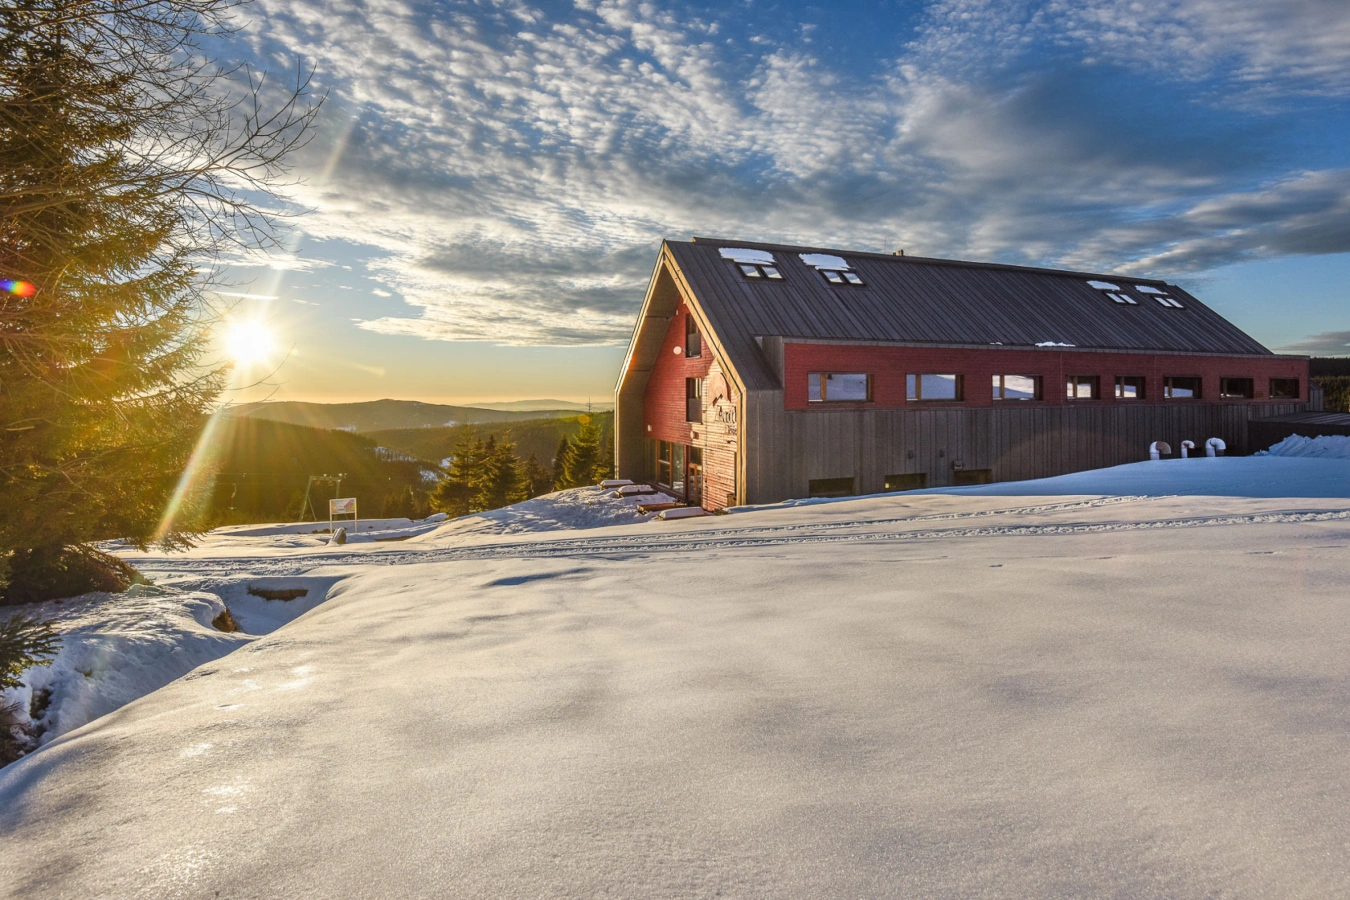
[{"x": 248, "y": 342}]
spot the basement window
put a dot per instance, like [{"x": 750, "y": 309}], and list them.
[
  {"x": 1161, "y": 296},
  {"x": 1082, "y": 387},
  {"x": 1130, "y": 387},
  {"x": 933, "y": 387},
  {"x": 1181, "y": 387},
  {"x": 830, "y": 487},
  {"x": 1236, "y": 389},
  {"x": 1284, "y": 389},
  {"x": 910, "y": 481},
  {"x": 839, "y": 387},
  {"x": 1017, "y": 387}
]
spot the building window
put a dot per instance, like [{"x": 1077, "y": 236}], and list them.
[
  {"x": 663, "y": 461},
  {"x": 693, "y": 399},
  {"x": 910, "y": 481},
  {"x": 1236, "y": 389},
  {"x": 839, "y": 387},
  {"x": 1181, "y": 387},
  {"x": 693, "y": 341},
  {"x": 830, "y": 487},
  {"x": 834, "y": 277},
  {"x": 1161, "y": 296},
  {"x": 934, "y": 387},
  {"x": 750, "y": 270},
  {"x": 1082, "y": 387},
  {"x": 1284, "y": 389},
  {"x": 1114, "y": 292},
  {"x": 1130, "y": 387},
  {"x": 1017, "y": 387},
  {"x": 973, "y": 476}
]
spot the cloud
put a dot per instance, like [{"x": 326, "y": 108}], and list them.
[
  {"x": 1328, "y": 343},
  {"x": 513, "y": 170}
]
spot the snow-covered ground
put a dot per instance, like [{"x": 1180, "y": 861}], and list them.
[{"x": 1127, "y": 685}]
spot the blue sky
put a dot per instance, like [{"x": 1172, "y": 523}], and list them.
[{"x": 490, "y": 181}]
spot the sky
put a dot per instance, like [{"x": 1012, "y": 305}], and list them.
[{"x": 481, "y": 206}]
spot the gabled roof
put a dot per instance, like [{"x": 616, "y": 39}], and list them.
[{"x": 913, "y": 300}]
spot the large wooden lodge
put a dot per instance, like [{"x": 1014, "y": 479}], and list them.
[{"x": 762, "y": 372}]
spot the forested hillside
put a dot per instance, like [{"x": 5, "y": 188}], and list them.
[
  {"x": 537, "y": 437},
  {"x": 262, "y": 467}
]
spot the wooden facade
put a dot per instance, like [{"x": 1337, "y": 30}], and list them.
[{"x": 754, "y": 435}]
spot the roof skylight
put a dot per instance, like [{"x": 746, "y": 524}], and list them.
[
  {"x": 1160, "y": 296},
  {"x": 835, "y": 269},
  {"x": 1114, "y": 292}
]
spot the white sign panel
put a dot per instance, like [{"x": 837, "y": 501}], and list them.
[{"x": 342, "y": 507}]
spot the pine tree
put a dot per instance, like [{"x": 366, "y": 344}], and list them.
[
  {"x": 535, "y": 480},
  {"x": 115, "y": 152},
  {"x": 456, "y": 494},
  {"x": 587, "y": 461},
  {"x": 560, "y": 458},
  {"x": 499, "y": 483}
]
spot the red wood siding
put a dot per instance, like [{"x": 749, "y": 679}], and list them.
[
  {"x": 888, "y": 367},
  {"x": 664, "y": 410}
]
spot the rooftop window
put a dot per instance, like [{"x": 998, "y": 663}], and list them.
[
  {"x": 755, "y": 264},
  {"x": 834, "y": 269},
  {"x": 1160, "y": 296},
  {"x": 1114, "y": 292}
]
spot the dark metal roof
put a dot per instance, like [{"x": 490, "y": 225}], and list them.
[{"x": 916, "y": 300}]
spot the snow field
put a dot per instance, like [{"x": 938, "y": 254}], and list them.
[
  {"x": 1119, "y": 689},
  {"x": 1049, "y": 714}
]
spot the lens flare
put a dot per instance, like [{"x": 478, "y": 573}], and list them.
[{"x": 18, "y": 288}]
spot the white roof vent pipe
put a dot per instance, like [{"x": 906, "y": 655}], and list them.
[
  {"x": 1186, "y": 448},
  {"x": 1215, "y": 447},
  {"x": 1159, "y": 449}
]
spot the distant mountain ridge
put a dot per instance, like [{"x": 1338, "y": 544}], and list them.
[
  {"x": 546, "y": 405},
  {"x": 381, "y": 415}
]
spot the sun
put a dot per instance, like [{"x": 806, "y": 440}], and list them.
[{"x": 249, "y": 341}]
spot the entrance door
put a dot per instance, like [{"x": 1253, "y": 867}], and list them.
[{"x": 694, "y": 481}]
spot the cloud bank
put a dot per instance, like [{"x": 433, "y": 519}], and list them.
[{"x": 513, "y": 167}]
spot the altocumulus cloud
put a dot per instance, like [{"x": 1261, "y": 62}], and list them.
[{"x": 513, "y": 167}]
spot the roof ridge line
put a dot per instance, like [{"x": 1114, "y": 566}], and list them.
[{"x": 923, "y": 260}]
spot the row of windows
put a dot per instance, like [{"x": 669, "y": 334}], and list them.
[
  {"x": 759, "y": 271},
  {"x": 856, "y": 387}
]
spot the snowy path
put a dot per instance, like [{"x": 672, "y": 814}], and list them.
[{"x": 934, "y": 696}]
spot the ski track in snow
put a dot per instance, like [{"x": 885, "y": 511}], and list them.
[{"x": 743, "y": 538}]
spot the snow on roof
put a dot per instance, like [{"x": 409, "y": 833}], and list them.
[
  {"x": 825, "y": 261},
  {"x": 1053, "y": 344},
  {"x": 1103, "y": 285},
  {"x": 1145, "y": 289},
  {"x": 746, "y": 255}
]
